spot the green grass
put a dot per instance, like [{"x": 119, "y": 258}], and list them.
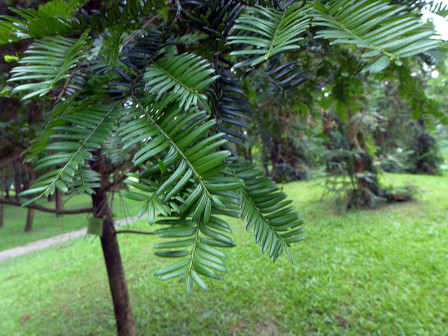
[
  {"x": 370, "y": 272},
  {"x": 47, "y": 224},
  {"x": 443, "y": 145}
]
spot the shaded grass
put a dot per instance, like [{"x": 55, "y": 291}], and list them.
[
  {"x": 48, "y": 224},
  {"x": 370, "y": 272}
]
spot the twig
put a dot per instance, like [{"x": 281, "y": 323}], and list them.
[
  {"x": 136, "y": 232},
  {"x": 138, "y": 31},
  {"x": 179, "y": 9},
  {"x": 120, "y": 179},
  {"x": 45, "y": 209},
  {"x": 67, "y": 82}
]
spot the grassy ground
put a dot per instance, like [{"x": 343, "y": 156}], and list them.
[
  {"x": 47, "y": 224},
  {"x": 371, "y": 272}
]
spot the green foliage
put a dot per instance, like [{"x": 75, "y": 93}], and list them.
[
  {"x": 56, "y": 18},
  {"x": 279, "y": 32},
  {"x": 66, "y": 142},
  {"x": 182, "y": 76},
  {"x": 266, "y": 209},
  {"x": 202, "y": 257},
  {"x": 50, "y": 62},
  {"x": 438, "y": 7},
  {"x": 383, "y": 30},
  {"x": 168, "y": 92}
]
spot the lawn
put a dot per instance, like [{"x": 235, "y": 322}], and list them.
[
  {"x": 47, "y": 224},
  {"x": 370, "y": 272}
]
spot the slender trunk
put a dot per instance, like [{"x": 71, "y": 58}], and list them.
[
  {"x": 2, "y": 215},
  {"x": 112, "y": 257},
  {"x": 59, "y": 204},
  {"x": 17, "y": 186},
  {"x": 367, "y": 183},
  {"x": 29, "y": 220},
  {"x": 249, "y": 154},
  {"x": 30, "y": 213},
  {"x": 265, "y": 163},
  {"x": 2, "y": 206}
]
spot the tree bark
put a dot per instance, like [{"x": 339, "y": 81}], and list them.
[
  {"x": 16, "y": 178},
  {"x": 29, "y": 220},
  {"x": 2, "y": 206},
  {"x": 112, "y": 257},
  {"x": 59, "y": 204},
  {"x": 30, "y": 214},
  {"x": 2, "y": 215},
  {"x": 368, "y": 186}
]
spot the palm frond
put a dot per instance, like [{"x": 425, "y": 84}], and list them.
[
  {"x": 85, "y": 180},
  {"x": 230, "y": 107},
  {"x": 438, "y": 7},
  {"x": 410, "y": 5},
  {"x": 32, "y": 23},
  {"x": 283, "y": 75},
  {"x": 215, "y": 17},
  {"x": 113, "y": 149},
  {"x": 50, "y": 61},
  {"x": 66, "y": 143},
  {"x": 141, "y": 53},
  {"x": 269, "y": 31},
  {"x": 385, "y": 31},
  {"x": 187, "y": 183},
  {"x": 197, "y": 243},
  {"x": 119, "y": 13},
  {"x": 264, "y": 206},
  {"x": 190, "y": 160},
  {"x": 183, "y": 76}
]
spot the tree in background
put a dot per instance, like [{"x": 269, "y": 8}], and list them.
[
  {"x": 159, "y": 81},
  {"x": 281, "y": 132}
]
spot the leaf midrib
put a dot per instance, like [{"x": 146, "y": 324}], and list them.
[{"x": 173, "y": 143}]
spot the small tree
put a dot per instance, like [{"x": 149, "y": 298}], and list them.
[{"x": 159, "y": 79}]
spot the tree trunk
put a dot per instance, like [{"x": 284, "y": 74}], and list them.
[
  {"x": 16, "y": 178},
  {"x": 59, "y": 204},
  {"x": 368, "y": 187},
  {"x": 112, "y": 257},
  {"x": 30, "y": 213},
  {"x": 29, "y": 220},
  {"x": 2, "y": 206},
  {"x": 2, "y": 215}
]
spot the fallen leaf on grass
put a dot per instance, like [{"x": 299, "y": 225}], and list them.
[
  {"x": 237, "y": 327},
  {"x": 343, "y": 322},
  {"x": 25, "y": 318},
  {"x": 13, "y": 276}
]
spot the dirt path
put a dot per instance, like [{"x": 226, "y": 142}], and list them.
[{"x": 47, "y": 242}]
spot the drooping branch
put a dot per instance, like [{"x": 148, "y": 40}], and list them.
[
  {"x": 45, "y": 209},
  {"x": 119, "y": 179},
  {"x": 6, "y": 162}
]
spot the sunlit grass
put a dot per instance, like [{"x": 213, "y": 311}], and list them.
[
  {"x": 369, "y": 272},
  {"x": 48, "y": 224}
]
